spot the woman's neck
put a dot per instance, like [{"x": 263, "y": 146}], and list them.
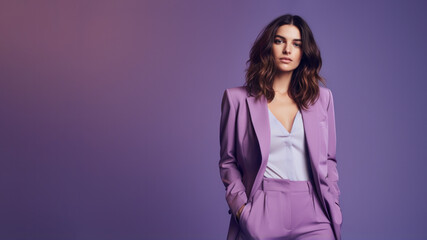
[{"x": 282, "y": 81}]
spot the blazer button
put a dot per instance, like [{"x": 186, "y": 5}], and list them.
[{"x": 229, "y": 211}]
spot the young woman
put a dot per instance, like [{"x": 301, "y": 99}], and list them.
[{"x": 278, "y": 141}]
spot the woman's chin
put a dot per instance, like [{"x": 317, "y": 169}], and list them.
[{"x": 285, "y": 70}]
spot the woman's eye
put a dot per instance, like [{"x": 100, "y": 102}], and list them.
[
  {"x": 277, "y": 41},
  {"x": 297, "y": 44}
]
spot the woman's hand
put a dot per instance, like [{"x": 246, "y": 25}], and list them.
[{"x": 240, "y": 211}]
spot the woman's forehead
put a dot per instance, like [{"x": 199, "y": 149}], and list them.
[{"x": 289, "y": 32}]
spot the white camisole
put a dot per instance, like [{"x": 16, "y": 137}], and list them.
[{"x": 288, "y": 157}]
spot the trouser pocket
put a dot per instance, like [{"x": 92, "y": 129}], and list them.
[{"x": 267, "y": 216}]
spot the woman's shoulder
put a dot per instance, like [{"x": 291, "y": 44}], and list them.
[
  {"x": 236, "y": 94},
  {"x": 325, "y": 95},
  {"x": 324, "y": 91},
  {"x": 238, "y": 91}
]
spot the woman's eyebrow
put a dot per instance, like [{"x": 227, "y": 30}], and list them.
[{"x": 285, "y": 38}]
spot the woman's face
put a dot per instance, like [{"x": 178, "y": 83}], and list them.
[{"x": 287, "y": 50}]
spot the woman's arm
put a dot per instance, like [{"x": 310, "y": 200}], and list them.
[
  {"x": 332, "y": 176},
  {"x": 230, "y": 175}
]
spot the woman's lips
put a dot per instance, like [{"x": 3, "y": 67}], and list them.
[{"x": 285, "y": 60}]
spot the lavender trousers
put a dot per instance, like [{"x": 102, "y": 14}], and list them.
[{"x": 286, "y": 210}]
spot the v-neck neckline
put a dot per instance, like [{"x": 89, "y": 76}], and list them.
[{"x": 281, "y": 125}]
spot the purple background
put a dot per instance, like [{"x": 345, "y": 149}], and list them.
[{"x": 109, "y": 114}]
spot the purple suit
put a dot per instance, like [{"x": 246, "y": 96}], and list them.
[{"x": 245, "y": 146}]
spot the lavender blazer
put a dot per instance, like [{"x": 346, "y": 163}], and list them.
[{"x": 245, "y": 147}]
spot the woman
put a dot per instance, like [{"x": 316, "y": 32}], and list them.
[{"x": 278, "y": 141}]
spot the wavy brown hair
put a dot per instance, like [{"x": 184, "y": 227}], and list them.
[{"x": 304, "y": 85}]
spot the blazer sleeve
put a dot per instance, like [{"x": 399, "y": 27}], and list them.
[
  {"x": 231, "y": 177},
  {"x": 332, "y": 176}
]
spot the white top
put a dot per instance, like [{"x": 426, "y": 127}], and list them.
[{"x": 288, "y": 157}]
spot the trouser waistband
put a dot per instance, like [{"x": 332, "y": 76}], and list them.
[{"x": 285, "y": 185}]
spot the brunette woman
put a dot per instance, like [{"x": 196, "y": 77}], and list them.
[{"x": 278, "y": 141}]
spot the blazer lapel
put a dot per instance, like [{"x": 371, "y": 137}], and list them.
[
  {"x": 259, "y": 115},
  {"x": 258, "y": 109}
]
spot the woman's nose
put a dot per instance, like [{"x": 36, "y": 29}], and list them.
[{"x": 286, "y": 49}]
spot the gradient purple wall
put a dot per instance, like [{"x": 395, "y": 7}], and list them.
[{"x": 109, "y": 114}]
